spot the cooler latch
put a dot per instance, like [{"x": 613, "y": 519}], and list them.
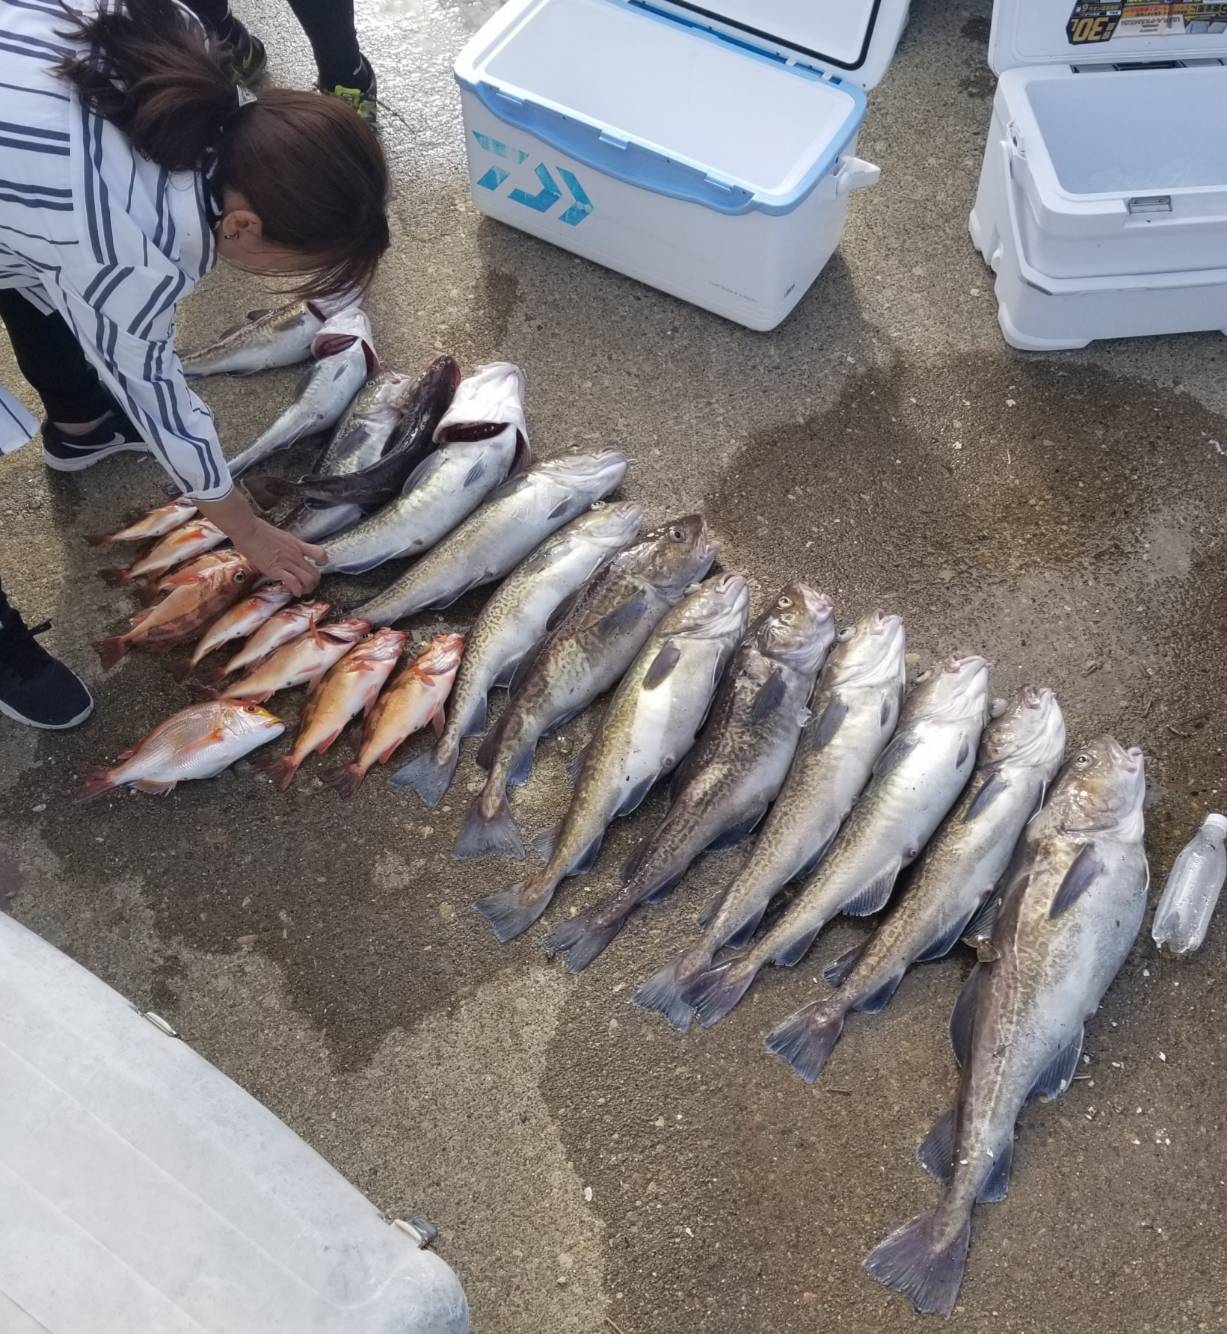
[{"x": 1149, "y": 204}]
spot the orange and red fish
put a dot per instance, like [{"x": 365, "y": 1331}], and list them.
[
  {"x": 157, "y": 523},
  {"x": 301, "y": 662}
]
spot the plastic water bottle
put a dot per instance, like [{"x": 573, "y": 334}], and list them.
[{"x": 1183, "y": 915}]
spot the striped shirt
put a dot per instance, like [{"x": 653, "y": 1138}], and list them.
[{"x": 111, "y": 241}]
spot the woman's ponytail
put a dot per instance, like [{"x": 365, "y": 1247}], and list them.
[{"x": 154, "y": 74}]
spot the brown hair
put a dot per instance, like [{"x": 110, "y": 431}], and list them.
[{"x": 309, "y": 167}]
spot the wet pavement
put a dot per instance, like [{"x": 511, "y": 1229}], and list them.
[{"x": 590, "y": 1170}]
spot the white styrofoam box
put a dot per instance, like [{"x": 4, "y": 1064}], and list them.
[
  {"x": 690, "y": 155},
  {"x": 144, "y": 1193},
  {"x": 1102, "y": 206}
]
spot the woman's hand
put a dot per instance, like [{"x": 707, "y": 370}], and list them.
[{"x": 275, "y": 554}]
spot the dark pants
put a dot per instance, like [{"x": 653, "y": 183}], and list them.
[
  {"x": 52, "y": 362},
  {"x": 329, "y": 25}
]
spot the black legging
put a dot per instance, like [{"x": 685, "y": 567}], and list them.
[
  {"x": 329, "y": 25},
  {"x": 51, "y": 359}
]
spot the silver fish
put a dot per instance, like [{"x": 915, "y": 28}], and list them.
[
  {"x": 493, "y": 540},
  {"x": 1020, "y": 754},
  {"x": 1072, "y": 910},
  {"x": 584, "y": 655},
  {"x": 357, "y": 441},
  {"x": 916, "y": 781},
  {"x": 444, "y": 489},
  {"x": 733, "y": 773},
  {"x": 345, "y": 358},
  {"x": 854, "y": 711},
  {"x": 533, "y": 597},
  {"x": 651, "y": 723},
  {"x": 264, "y": 340}
]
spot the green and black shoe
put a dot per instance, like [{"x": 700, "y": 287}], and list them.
[
  {"x": 362, "y": 96},
  {"x": 247, "y": 52}
]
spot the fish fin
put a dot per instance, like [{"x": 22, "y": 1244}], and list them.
[
  {"x": 878, "y": 1000},
  {"x": 345, "y": 780},
  {"x": 477, "y": 719},
  {"x": 963, "y": 1017},
  {"x": 280, "y": 768},
  {"x": 935, "y": 1153},
  {"x": 438, "y": 720},
  {"x": 980, "y": 928},
  {"x": 475, "y": 474},
  {"x": 587, "y": 859},
  {"x": 1078, "y": 879},
  {"x": 714, "y": 993},
  {"x": 708, "y": 914},
  {"x": 496, "y": 836},
  {"x": 944, "y": 943},
  {"x": 152, "y": 788},
  {"x": 912, "y": 1261},
  {"x": 1059, "y": 1073},
  {"x": 97, "y": 781},
  {"x": 770, "y": 696},
  {"x": 563, "y": 719},
  {"x": 561, "y": 612},
  {"x": 200, "y": 691},
  {"x": 899, "y": 748},
  {"x": 807, "y": 1038},
  {"x": 964, "y": 753},
  {"x": 829, "y": 722},
  {"x": 486, "y": 751},
  {"x": 544, "y": 843},
  {"x": 985, "y": 797},
  {"x": 502, "y": 681},
  {"x": 327, "y": 742},
  {"x": 875, "y": 896},
  {"x": 888, "y": 707},
  {"x": 665, "y": 990},
  {"x": 662, "y": 889},
  {"x": 732, "y": 836},
  {"x": 634, "y": 798},
  {"x": 745, "y": 932},
  {"x": 455, "y": 595},
  {"x": 361, "y": 566},
  {"x": 997, "y": 1184},
  {"x": 575, "y": 765},
  {"x": 563, "y": 507},
  {"x": 793, "y": 953},
  {"x": 427, "y": 777},
  {"x": 511, "y": 912},
  {"x": 520, "y": 675},
  {"x": 522, "y": 770},
  {"x": 835, "y": 974},
  {"x": 253, "y": 315},
  {"x": 621, "y": 617},
  {"x": 581, "y": 938},
  {"x": 662, "y": 666},
  {"x": 110, "y": 650}
]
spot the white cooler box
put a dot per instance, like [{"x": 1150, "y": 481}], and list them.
[
  {"x": 708, "y": 151},
  {"x": 1102, "y": 205}
]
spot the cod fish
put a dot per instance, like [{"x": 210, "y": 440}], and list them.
[
  {"x": 853, "y": 713},
  {"x": 282, "y": 627},
  {"x": 198, "y": 742},
  {"x": 588, "y": 651},
  {"x": 242, "y": 620},
  {"x": 1071, "y": 912},
  {"x": 415, "y": 697},
  {"x": 650, "y": 725},
  {"x": 437, "y": 395},
  {"x": 1019, "y": 756},
  {"x": 180, "y": 545},
  {"x": 446, "y": 487},
  {"x": 733, "y": 773},
  {"x": 192, "y": 597},
  {"x": 358, "y": 440},
  {"x": 917, "y": 779},
  {"x": 350, "y": 687},
  {"x": 495, "y": 538},
  {"x": 265, "y": 339},
  {"x": 345, "y": 357},
  {"x": 527, "y": 604},
  {"x": 299, "y": 663},
  {"x": 157, "y": 523}
]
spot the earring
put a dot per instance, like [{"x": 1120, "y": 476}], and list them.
[{"x": 230, "y": 236}]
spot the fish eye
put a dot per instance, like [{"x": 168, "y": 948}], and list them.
[
  {"x": 677, "y": 535},
  {"x": 784, "y": 602},
  {"x": 1082, "y": 761},
  {"x": 240, "y": 576},
  {"x": 251, "y": 708}
]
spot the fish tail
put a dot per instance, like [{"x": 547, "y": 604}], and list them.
[
  {"x": 110, "y": 650},
  {"x": 489, "y": 832},
  {"x": 346, "y": 780},
  {"x": 180, "y": 667},
  {"x": 115, "y": 575},
  {"x": 805, "y": 1039},
  {"x": 213, "y": 677},
  {"x": 665, "y": 991},
  {"x": 97, "y": 781},
  {"x": 99, "y": 539},
  {"x": 715, "y": 992},
  {"x": 280, "y": 768},
  {"x": 267, "y": 491},
  {"x": 511, "y": 912},
  {"x": 581, "y": 938},
  {"x": 200, "y": 691},
  {"x": 922, "y": 1261},
  {"x": 148, "y": 593},
  {"x": 428, "y": 776}
]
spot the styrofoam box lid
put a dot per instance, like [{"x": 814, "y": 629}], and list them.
[
  {"x": 143, "y": 1191},
  {"x": 1088, "y": 32},
  {"x": 693, "y": 101}
]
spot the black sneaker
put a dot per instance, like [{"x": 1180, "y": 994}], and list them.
[
  {"x": 36, "y": 688},
  {"x": 71, "y": 453},
  {"x": 361, "y": 92},
  {"x": 250, "y": 58}
]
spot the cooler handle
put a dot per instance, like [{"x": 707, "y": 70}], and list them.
[
  {"x": 621, "y": 159},
  {"x": 855, "y": 173}
]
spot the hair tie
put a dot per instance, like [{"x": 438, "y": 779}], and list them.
[{"x": 242, "y": 97}]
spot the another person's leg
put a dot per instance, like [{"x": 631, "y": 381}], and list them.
[
  {"x": 36, "y": 688},
  {"x": 84, "y": 422},
  {"x": 344, "y": 71},
  {"x": 249, "y": 55}
]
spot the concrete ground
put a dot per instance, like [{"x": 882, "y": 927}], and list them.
[{"x": 590, "y": 1170}]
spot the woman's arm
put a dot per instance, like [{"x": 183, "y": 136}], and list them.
[{"x": 273, "y": 552}]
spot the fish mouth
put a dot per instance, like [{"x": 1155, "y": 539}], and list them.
[
  {"x": 885, "y": 622},
  {"x": 970, "y": 665}
]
